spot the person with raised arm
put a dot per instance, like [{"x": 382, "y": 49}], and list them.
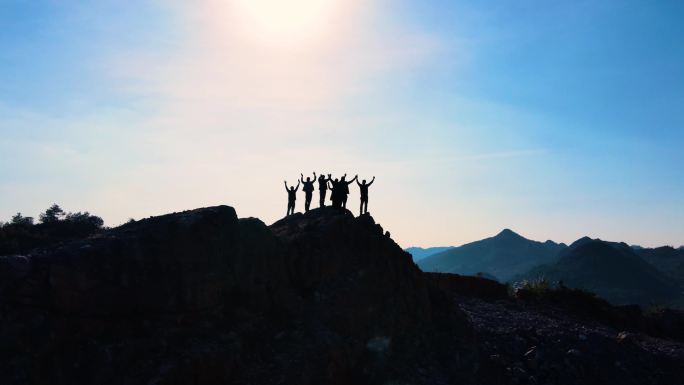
[
  {"x": 291, "y": 198},
  {"x": 308, "y": 189},
  {"x": 344, "y": 186},
  {"x": 363, "y": 188},
  {"x": 335, "y": 191},
  {"x": 322, "y": 188}
]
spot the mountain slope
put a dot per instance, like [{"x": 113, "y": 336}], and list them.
[
  {"x": 667, "y": 260},
  {"x": 612, "y": 270},
  {"x": 502, "y": 256},
  {"x": 202, "y": 297},
  {"x": 419, "y": 253}
]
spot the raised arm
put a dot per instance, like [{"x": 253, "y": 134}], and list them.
[
  {"x": 314, "y": 179},
  {"x": 371, "y": 182},
  {"x": 329, "y": 177},
  {"x": 301, "y": 178},
  {"x": 353, "y": 180},
  {"x": 286, "y": 186},
  {"x": 297, "y": 188}
]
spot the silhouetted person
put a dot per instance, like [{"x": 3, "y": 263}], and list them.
[
  {"x": 344, "y": 194},
  {"x": 363, "y": 188},
  {"x": 291, "y": 198},
  {"x": 335, "y": 193},
  {"x": 322, "y": 188},
  {"x": 308, "y": 189}
]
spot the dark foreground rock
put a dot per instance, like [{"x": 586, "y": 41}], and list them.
[
  {"x": 523, "y": 343},
  {"x": 202, "y": 297}
]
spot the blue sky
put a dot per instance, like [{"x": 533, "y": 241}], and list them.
[{"x": 555, "y": 120}]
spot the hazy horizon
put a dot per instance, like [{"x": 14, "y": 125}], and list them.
[{"x": 554, "y": 120}]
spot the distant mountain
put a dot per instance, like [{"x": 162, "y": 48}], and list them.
[
  {"x": 668, "y": 260},
  {"x": 502, "y": 256},
  {"x": 612, "y": 270},
  {"x": 419, "y": 253}
]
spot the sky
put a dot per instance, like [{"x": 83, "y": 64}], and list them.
[{"x": 555, "y": 119}]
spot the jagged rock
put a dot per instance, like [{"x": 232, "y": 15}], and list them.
[
  {"x": 624, "y": 337},
  {"x": 204, "y": 297}
]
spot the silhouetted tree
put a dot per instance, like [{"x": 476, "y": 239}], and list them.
[
  {"x": 52, "y": 215},
  {"x": 21, "y": 235},
  {"x": 85, "y": 218},
  {"x": 22, "y": 220}
]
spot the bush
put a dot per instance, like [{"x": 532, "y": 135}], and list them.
[
  {"x": 85, "y": 219},
  {"x": 537, "y": 287},
  {"x": 21, "y": 235}
]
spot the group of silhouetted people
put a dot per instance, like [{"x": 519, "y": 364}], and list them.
[{"x": 339, "y": 192}]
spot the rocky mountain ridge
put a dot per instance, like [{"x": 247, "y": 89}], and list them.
[{"x": 203, "y": 297}]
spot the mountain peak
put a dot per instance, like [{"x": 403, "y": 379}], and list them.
[
  {"x": 581, "y": 241},
  {"x": 508, "y": 233}
]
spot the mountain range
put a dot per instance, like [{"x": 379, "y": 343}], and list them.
[
  {"x": 667, "y": 259},
  {"x": 419, "y": 253},
  {"x": 612, "y": 270},
  {"x": 205, "y": 297},
  {"x": 620, "y": 273},
  {"x": 503, "y": 256}
]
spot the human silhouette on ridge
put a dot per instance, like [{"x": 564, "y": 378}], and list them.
[
  {"x": 291, "y": 198},
  {"x": 344, "y": 194},
  {"x": 363, "y": 189},
  {"x": 308, "y": 189},
  {"x": 322, "y": 188},
  {"x": 339, "y": 191},
  {"x": 335, "y": 192}
]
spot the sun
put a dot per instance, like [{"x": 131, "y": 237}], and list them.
[{"x": 286, "y": 22}]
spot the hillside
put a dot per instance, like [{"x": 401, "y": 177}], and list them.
[
  {"x": 419, "y": 253},
  {"x": 667, "y": 260},
  {"x": 503, "y": 256},
  {"x": 612, "y": 270},
  {"x": 203, "y": 297}
]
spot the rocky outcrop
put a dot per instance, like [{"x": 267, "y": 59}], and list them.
[
  {"x": 463, "y": 285},
  {"x": 204, "y": 297}
]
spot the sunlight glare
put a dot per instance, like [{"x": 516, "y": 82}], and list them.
[{"x": 286, "y": 22}]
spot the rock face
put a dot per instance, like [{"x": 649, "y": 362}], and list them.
[{"x": 203, "y": 297}]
